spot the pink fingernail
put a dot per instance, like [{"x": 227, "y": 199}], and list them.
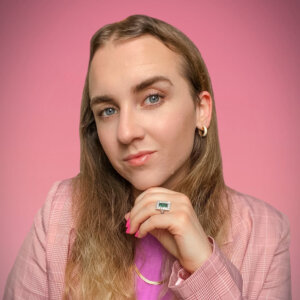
[
  {"x": 137, "y": 233},
  {"x": 128, "y": 228}
]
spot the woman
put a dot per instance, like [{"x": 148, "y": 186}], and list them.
[{"x": 149, "y": 215}]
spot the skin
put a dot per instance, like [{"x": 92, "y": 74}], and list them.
[{"x": 165, "y": 124}]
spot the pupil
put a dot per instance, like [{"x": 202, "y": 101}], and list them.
[{"x": 153, "y": 98}]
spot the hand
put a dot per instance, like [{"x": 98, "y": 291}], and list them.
[{"x": 178, "y": 230}]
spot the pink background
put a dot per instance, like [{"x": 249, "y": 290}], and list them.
[{"x": 252, "y": 53}]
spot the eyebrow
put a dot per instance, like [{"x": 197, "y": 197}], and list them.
[{"x": 135, "y": 89}]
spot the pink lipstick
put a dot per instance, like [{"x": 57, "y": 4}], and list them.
[{"x": 139, "y": 158}]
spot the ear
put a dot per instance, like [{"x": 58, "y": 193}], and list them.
[{"x": 203, "y": 110}]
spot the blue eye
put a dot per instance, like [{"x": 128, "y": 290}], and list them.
[
  {"x": 153, "y": 99},
  {"x": 107, "y": 111}
]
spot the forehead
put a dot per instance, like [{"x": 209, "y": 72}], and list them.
[{"x": 133, "y": 60}]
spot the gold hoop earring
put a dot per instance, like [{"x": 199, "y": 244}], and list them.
[{"x": 204, "y": 129}]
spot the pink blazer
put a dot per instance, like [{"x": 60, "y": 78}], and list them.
[{"x": 252, "y": 263}]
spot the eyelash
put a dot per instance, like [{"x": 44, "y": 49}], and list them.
[{"x": 149, "y": 96}]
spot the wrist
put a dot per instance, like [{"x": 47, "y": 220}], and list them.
[{"x": 205, "y": 251}]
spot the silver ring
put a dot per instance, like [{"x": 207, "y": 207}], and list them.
[{"x": 163, "y": 206}]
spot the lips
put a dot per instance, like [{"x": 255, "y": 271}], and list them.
[
  {"x": 139, "y": 158},
  {"x": 141, "y": 153}
]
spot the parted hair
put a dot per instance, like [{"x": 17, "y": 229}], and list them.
[{"x": 100, "y": 262}]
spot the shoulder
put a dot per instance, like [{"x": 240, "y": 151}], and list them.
[
  {"x": 60, "y": 189},
  {"x": 57, "y": 208},
  {"x": 259, "y": 217},
  {"x": 60, "y": 193}
]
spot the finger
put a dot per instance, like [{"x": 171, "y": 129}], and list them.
[
  {"x": 176, "y": 233},
  {"x": 153, "y": 198},
  {"x": 155, "y": 223},
  {"x": 180, "y": 221},
  {"x": 150, "y": 200},
  {"x": 147, "y": 208},
  {"x": 148, "y": 203},
  {"x": 153, "y": 190}
]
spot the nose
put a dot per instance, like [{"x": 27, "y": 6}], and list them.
[{"x": 130, "y": 126}]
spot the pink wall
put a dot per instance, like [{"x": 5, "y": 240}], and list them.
[{"x": 252, "y": 52}]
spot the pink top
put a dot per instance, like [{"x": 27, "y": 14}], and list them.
[
  {"x": 251, "y": 263},
  {"x": 148, "y": 259}
]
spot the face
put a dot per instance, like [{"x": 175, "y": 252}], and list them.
[{"x": 144, "y": 113}]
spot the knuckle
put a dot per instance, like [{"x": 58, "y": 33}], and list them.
[
  {"x": 185, "y": 209},
  {"x": 150, "y": 206},
  {"x": 185, "y": 198},
  {"x": 182, "y": 218}
]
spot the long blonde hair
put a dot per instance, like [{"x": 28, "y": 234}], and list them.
[{"x": 102, "y": 255}]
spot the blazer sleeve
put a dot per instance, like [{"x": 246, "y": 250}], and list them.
[
  {"x": 28, "y": 277},
  {"x": 217, "y": 278},
  {"x": 278, "y": 281}
]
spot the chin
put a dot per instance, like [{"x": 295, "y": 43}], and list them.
[
  {"x": 145, "y": 183},
  {"x": 144, "y": 186}
]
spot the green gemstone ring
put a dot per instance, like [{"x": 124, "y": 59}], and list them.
[{"x": 163, "y": 205}]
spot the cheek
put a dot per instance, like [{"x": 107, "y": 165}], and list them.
[
  {"x": 110, "y": 148},
  {"x": 178, "y": 127}
]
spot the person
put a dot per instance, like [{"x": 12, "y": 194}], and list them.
[{"x": 149, "y": 216}]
